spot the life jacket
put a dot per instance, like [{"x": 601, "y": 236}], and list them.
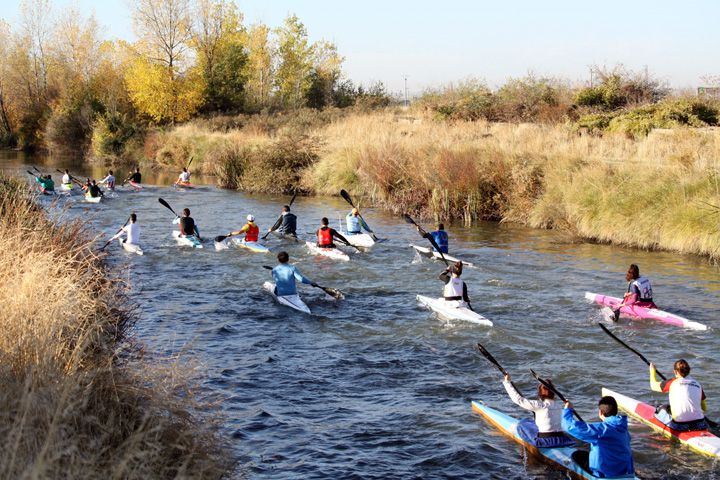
[
  {"x": 324, "y": 236},
  {"x": 645, "y": 289},
  {"x": 453, "y": 289},
  {"x": 441, "y": 238},
  {"x": 252, "y": 233},
  {"x": 353, "y": 224},
  {"x": 685, "y": 396}
]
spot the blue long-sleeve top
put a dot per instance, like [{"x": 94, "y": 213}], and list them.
[{"x": 285, "y": 276}]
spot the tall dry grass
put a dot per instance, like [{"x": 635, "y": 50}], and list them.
[{"x": 78, "y": 399}]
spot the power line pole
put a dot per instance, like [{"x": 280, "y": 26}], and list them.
[{"x": 407, "y": 102}]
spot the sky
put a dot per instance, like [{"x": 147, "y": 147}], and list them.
[{"x": 434, "y": 43}]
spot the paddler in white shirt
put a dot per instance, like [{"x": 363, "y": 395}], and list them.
[
  {"x": 455, "y": 289},
  {"x": 132, "y": 230},
  {"x": 66, "y": 179},
  {"x": 184, "y": 177},
  {"x": 687, "y": 399}
]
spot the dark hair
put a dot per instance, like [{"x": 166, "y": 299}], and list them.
[
  {"x": 111, "y": 172},
  {"x": 608, "y": 406},
  {"x": 324, "y": 221},
  {"x": 286, "y": 208},
  {"x": 184, "y": 169},
  {"x": 633, "y": 272},
  {"x": 186, "y": 211},
  {"x": 682, "y": 367},
  {"x": 441, "y": 226},
  {"x": 137, "y": 169},
  {"x": 545, "y": 393},
  {"x": 133, "y": 217},
  {"x": 283, "y": 257},
  {"x": 49, "y": 176},
  {"x": 457, "y": 268}
]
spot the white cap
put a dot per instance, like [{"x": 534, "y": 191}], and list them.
[{"x": 250, "y": 218}]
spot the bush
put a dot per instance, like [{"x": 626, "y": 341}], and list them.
[{"x": 112, "y": 133}]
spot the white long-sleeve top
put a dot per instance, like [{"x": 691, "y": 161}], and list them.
[{"x": 548, "y": 413}]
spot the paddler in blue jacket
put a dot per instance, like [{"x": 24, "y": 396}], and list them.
[
  {"x": 355, "y": 223},
  {"x": 285, "y": 276},
  {"x": 610, "y": 453},
  {"x": 440, "y": 236}
]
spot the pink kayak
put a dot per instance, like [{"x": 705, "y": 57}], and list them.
[{"x": 645, "y": 312}]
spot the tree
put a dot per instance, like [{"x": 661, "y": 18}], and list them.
[
  {"x": 259, "y": 67},
  {"x": 325, "y": 75},
  {"x": 159, "y": 80},
  {"x": 295, "y": 62},
  {"x": 7, "y": 124}
]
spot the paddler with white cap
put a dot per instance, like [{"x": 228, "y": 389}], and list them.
[{"x": 250, "y": 229}]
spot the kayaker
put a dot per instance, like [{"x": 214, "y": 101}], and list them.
[
  {"x": 47, "y": 185},
  {"x": 135, "y": 177},
  {"x": 66, "y": 180},
  {"x": 289, "y": 223},
  {"x": 355, "y": 223},
  {"x": 455, "y": 289},
  {"x": 325, "y": 235},
  {"x": 132, "y": 230},
  {"x": 610, "y": 453},
  {"x": 187, "y": 224},
  {"x": 184, "y": 177},
  {"x": 686, "y": 411},
  {"x": 639, "y": 292},
  {"x": 440, "y": 236},
  {"x": 94, "y": 191},
  {"x": 285, "y": 276},
  {"x": 546, "y": 430},
  {"x": 109, "y": 180},
  {"x": 250, "y": 229}
]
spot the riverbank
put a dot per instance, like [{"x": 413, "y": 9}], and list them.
[
  {"x": 650, "y": 192},
  {"x": 81, "y": 397}
]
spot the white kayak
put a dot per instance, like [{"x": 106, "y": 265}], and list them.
[
  {"x": 359, "y": 239},
  {"x": 334, "y": 253},
  {"x": 292, "y": 301},
  {"x": 451, "y": 311},
  {"x": 90, "y": 199},
  {"x": 431, "y": 253},
  {"x": 188, "y": 241},
  {"x": 131, "y": 247}
]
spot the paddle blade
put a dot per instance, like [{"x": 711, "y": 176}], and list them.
[
  {"x": 166, "y": 205},
  {"x": 333, "y": 292},
  {"x": 220, "y": 238},
  {"x": 267, "y": 267},
  {"x": 346, "y": 196},
  {"x": 408, "y": 219}
]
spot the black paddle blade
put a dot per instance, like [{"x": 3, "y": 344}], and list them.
[
  {"x": 347, "y": 198},
  {"x": 409, "y": 219},
  {"x": 220, "y": 238},
  {"x": 31, "y": 173},
  {"x": 267, "y": 267},
  {"x": 491, "y": 359},
  {"x": 166, "y": 205}
]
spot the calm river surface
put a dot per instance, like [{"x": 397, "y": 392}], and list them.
[{"x": 374, "y": 386}]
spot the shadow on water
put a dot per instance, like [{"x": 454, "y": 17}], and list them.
[{"x": 375, "y": 386}]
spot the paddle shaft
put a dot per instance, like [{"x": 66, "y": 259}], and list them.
[
  {"x": 333, "y": 292},
  {"x": 492, "y": 360},
  {"x": 278, "y": 222},
  {"x": 552, "y": 388},
  {"x": 424, "y": 234},
  {"x": 348, "y": 199},
  {"x": 113, "y": 237},
  {"x": 642, "y": 357}
]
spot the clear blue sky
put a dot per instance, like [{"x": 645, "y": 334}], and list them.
[{"x": 435, "y": 42}]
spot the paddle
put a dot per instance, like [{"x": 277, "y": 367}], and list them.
[
  {"x": 114, "y": 236},
  {"x": 278, "y": 222},
  {"x": 82, "y": 185},
  {"x": 167, "y": 205},
  {"x": 186, "y": 167},
  {"x": 552, "y": 388},
  {"x": 492, "y": 360},
  {"x": 333, "y": 292},
  {"x": 711, "y": 423},
  {"x": 423, "y": 233},
  {"x": 347, "y": 198}
]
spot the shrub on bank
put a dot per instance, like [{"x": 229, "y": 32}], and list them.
[{"x": 79, "y": 401}]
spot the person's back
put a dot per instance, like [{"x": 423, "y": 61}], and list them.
[
  {"x": 187, "y": 226},
  {"x": 610, "y": 452},
  {"x": 325, "y": 237},
  {"x": 95, "y": 191},
  {"x": 441, "y": 238},
  {"x": 133, "y": 233},
  {"x": 289, "y": 224},
  {"x": 136, "y": 177},
  {"x": 285, "y": 276},
  {"x": 686, "y": 396}
]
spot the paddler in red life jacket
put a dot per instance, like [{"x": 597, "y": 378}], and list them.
[
  {"x": 639, "y": 291},
  {"x": 326, "y": 234},
  {"x": 187, "y": 224},
  {"x": 455, "y": 289},
  {"x": 250, "y": 229},
  {"x": 686, "y": 411},
  {"x": 546, "y": 429},
  {"x": 440, "y": 236}
]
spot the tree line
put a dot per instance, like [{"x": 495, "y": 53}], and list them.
[{"x": 62, "y": 83}]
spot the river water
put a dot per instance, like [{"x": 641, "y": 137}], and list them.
[{"x": 375, "y": 386}]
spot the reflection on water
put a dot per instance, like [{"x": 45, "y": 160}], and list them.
[{"x": 374, "y": 386}]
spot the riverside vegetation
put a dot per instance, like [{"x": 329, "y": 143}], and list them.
[{"x": 80, "y": 400}]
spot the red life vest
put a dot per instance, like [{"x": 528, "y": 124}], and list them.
[
  {"x": 324, "y": 236},
  {"x": 252, "y": 233}
]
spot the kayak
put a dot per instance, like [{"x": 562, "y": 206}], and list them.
[
  {"x": 90, "y": 199},
  {"x": 188, "y": 241},
  {"x": 292, "y": 301},
  {"x": 701, "y": 441},
  {"x": 359, "y": 239},
  {"x": 66, "y": 187},
  {"x": 645, "y": 312},
  {"x": 252, "y": 246},
  {"x": 450, "y": 311},
  {"x": 135, "y": 185},
  {"x": 560, "y": 456},
  {"x": 284, "y": 236},
  {"x": 431, "y": 253},
  {"x": 185, "y": 185},
  {"x": 131, "y": 247},
  {"x": 334, "y": 253}
]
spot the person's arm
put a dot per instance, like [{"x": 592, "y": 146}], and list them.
[
  {"x": 703, "y": 403},
  {"x": 444, "y": 276},
  {"x": 586, "y": 432},
  {"x": 363, "y": 224},
  {"x": 302, "y": 278},
  {"x": 466, "y": 299},
  {"x": 655, "y": 384},
  {"x": 337, "y": 235},
  {"x": 518, "y": 399},
  {"x": 197, "y": 232}
]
